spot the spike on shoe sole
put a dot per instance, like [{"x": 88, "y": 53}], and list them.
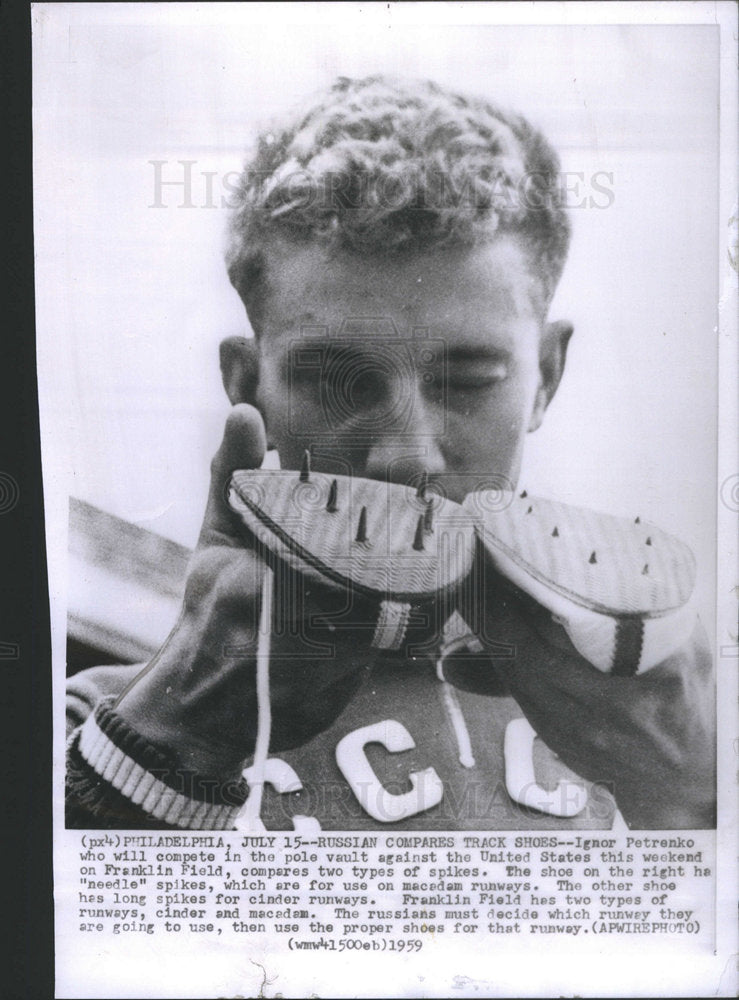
[
  {"x": 332, "y": 496},
  {"x": 361, "y": 535},
  {"x": 418, "y": 538}
]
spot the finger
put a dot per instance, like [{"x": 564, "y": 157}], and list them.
[
  {"x": 243, "y": 447},
  {"x": 239, "y": 358}
]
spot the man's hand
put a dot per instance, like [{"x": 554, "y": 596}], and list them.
[
  {"x": 197, "y": 697},
  {"x": 648, "y": 738}
]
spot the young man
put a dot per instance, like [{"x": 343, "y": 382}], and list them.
[{"x": 396, "y": 250}]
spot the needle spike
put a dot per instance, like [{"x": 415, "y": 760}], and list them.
[
  {"x": 361, "y": 535},
  {"x": 555, "y": 532},
  {"x": 529, "y": 510},
  {"x": 645, "y": 571},
  {"x": 423, "y": 486},
  {"x": 418, "y": 538},
  {"x": 332, "y": 494},
  {"x": 428, "y": 517},
  {"x": 592, "y": 560},
  {"x": 305, "y": 467}
]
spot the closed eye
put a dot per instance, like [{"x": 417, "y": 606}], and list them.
[{"x": 477, "y": 377}]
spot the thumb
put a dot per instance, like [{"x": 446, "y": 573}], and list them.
[{"x": 243, "y": 447}]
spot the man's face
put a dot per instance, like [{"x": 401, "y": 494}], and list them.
[{"x": 386, "y": 368}]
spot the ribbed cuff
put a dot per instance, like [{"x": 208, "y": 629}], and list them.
[{"x": 149, "y": 779}]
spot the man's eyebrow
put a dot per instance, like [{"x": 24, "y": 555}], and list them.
[
  {"x": 325, "y": 346},
  {"x": 304, "y": 323},
  {"x": 485, "y": 352},
  {"x": 312, "y": 355}
]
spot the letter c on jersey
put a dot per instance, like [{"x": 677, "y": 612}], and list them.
[
  {"x": 380, "y": 804},
  {"x": 569, "y": 797},
  {"x": 284, "y": 780}
]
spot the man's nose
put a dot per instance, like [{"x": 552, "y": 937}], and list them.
[{"x": 402, "y": 452}]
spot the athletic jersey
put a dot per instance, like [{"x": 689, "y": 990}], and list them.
[{"x": 410, "y": 750}]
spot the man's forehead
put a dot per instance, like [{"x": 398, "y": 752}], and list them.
[{"x": 315, "y": 293}]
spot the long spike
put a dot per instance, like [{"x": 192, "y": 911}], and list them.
[
  {"x": 555, "y": 532},
  {"x": 648, "y": 541},
  {"x": 592, "y": 560},
  {"x": 523, "y": 495},
  {"x": 428, "y": 517},
  {"x": 305, "y": 467},
  {"x": 422, "y": 486},
  {"x": 361, "y": 535},
  {"x": 645, "y": 571},
  {"x": 637, "y": 520},
  {"x": 529, "y": 510},
  {"x": 418, "y": 538},
  {"x": 332, "y": 494}
]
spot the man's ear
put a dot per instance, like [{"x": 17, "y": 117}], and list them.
[
  {"x": 552, "y": 356},
  {"x": 240, "y": 369}
]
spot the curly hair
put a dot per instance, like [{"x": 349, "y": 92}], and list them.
[{"x": 386, "y": 167}]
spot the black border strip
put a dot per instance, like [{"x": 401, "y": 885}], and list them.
[{"x": 25, "y": 645}]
